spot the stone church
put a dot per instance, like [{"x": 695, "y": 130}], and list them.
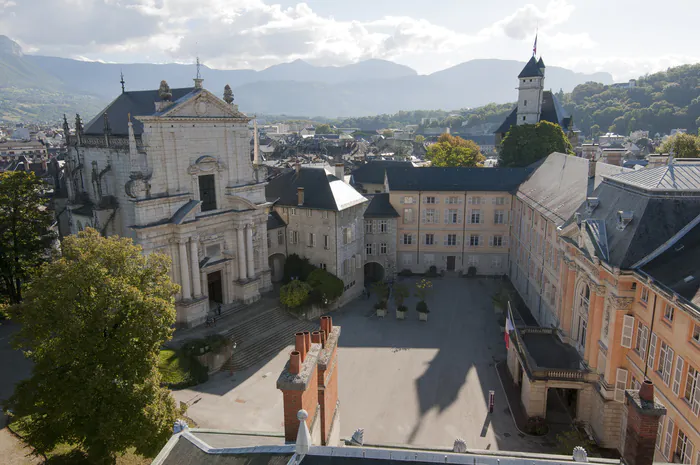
[{"x": 171, "y": 169}]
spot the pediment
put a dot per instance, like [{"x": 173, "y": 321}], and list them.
[{"x": 203, "y": 105}]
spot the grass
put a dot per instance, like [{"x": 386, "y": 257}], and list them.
[{"x": 180, "y": 371}]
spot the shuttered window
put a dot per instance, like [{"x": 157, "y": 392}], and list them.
[
  {"x": 627, "y": 331},
  {"x": 620, "y": 384}
]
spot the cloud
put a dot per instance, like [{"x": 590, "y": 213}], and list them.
[{"x": 526, "y": 20}]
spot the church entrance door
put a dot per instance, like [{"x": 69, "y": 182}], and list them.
[{"x": 214, "y": 284}]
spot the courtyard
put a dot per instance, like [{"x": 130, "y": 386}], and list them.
[{"x": 402, "y": 381}]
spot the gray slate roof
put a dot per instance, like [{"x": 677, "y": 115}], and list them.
[
  {"x": 186, "y": 453},
  {"x": 136, "y": 103},
  {"x": 373, "y": 172},
  {"x": 685, "y": 177},
  {"x": 274, "y": 221},
  {"x": 552, "y": 111},
  {"x": 321, "y": 190},
  {"x": 456, "y": 179},
  {"x": 380, "y": 207},
  {"x": 532, "y": 69}
]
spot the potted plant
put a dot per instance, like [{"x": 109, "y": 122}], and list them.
[
  {"x": 500, "y": 300},
  {"x": 380, "y": 288},
  {"x": 400, "y": 294},
  {"x": 423, "y": 287}
]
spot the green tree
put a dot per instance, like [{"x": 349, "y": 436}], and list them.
[
  {"x": 388, "y": 133},
  {"x": 455, "y": 151},
  {"x": 93, "y": 322},
  {"x": 295, "y": 293},
  {"x": 324, "y": 129},
  {"x": 25, "y": 238},
  {"x": 682, "y": 145},
  {"x": 326, "y": 287},
  {"x": 420, "y": 139},
  {"x": 527, "y": 143}
]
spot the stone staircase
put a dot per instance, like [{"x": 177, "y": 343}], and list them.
[{"x": 261, "y": 335}]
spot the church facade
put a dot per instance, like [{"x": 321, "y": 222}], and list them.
[{"x": 171, "y": 169}]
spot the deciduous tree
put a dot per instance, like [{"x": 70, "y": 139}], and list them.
[
  {"x": 93, "y": 322},
  {"x": 455, "y": 151},
  {"x": 25, "y": 237},
  {"x": 527, "y": 143},
  {"x": 682, "y": 146}
]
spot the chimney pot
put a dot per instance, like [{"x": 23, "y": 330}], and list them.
[
  {"x": 297, "y": 167},
  {"x": 307, "y": 340},
  {"x": 646, "y": 391},
  {"x": 295, "y": 362},
  {"x": 316, "y": 337},
  {"x": 300, "y": 345},
  {"x": 300, "y": 196}
]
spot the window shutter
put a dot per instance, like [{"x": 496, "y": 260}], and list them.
[
  {"x": 696, "y": 395},
  {"x": 437, "y": 216},
  {"x": 447, "y": 213},
  {"x": 470, "y": 200},
  {"x": 669, "y": 438},
  {"x": 627, "y": 330},
  {"x": 620, "y": 385},
  {"x": 460, "y": 200},
  {"x": 678, "y": 376},
  {"x": 437, "y": 199},
  {"x": 459, "y": 217},
  {"x": 481, "y": 240},
  {"x": 401, "y": 199},
  {"x": 469, "y": 216},
  {"x": 444, "y": 242},
  {"x": 652, "y": 351},
  {"x": 291, "y": 237},
  {"x": 493, "y": 200},
  {"x": 458, "y": 239},
  {"x": 423, "y": 219},
  {"x": 668, "y": 365},
  {"x": 490, "y": 241},
  {"x": 506, "y": 217}
]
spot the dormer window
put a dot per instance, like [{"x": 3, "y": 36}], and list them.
[
  {"x": 591, "y": 204},
  {"x": 623, "y": 219},
  {"x": 525, "y": 103},
  {"x": 207, "y": 192}
]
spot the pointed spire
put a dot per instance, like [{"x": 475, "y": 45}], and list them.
[
  {"x": 198, "y": 80},
  {"x": 66, "y": 130},
  {"x": 121, "y": 74}
]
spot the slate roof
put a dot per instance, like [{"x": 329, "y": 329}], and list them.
[
  {"x": 655, "y": 219},
  {"x": 684, "y": 177},
  {"x": 456, "y": 179},
  {"x": 380, "y": 207},
  {"x": 185, "y": 452},
  {"x": 548, "y": 351},
  {"x": 678, "y": 267},
  {"x": 532, "y": 69},
  {"x": 274, "y": 221},
  {"x": 559, "y": 185},
  {"x": 136, "y": 103},
  {"x": 373, "y": 171},
  {"x": 552, "y": 111},
  {"x": 321, "y": 190}
]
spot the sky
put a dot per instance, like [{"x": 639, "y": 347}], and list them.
[{"x": 627, "y": 38}]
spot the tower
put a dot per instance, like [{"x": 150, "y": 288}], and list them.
[{"x": 530, "y": 90}]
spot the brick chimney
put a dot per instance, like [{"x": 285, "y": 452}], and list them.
[
  {"x": 643, "y": 413},
  {"x": 300, "y": 196},
  {"x": 310, "y": 382}
]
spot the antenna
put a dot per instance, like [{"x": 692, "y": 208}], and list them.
[{"x": 121, "y": 73}]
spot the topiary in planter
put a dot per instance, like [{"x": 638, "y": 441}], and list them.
[{"x": 422, "y": 307}]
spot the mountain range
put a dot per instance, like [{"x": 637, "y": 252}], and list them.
[{"x": 35, "y": 87}]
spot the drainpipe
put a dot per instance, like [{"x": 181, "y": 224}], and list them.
[
  {"x": 651, "y": 331},
  {"x": 418, "y": 241},
  {"x": 464, "y": 227}
]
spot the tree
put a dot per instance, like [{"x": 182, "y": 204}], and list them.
[
  {"x": 324, "y": 129},
  {"x": 25, "y": 238},
  {"x": 388, "y": 133},
  {"x": 420, "y": 139},
  {"x": 682, "y": 145},
  {"x": 454, "y": 151},
  {"x": 527, "y": 143},
  {"x": 326, "y": 287},
  {"x": 295, "y": 293},
  {"x": 93, "y": 322}
]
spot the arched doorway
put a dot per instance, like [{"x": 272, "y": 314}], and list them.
[
  {"x": 373, "y": 272},
  {"x": 276, "y": 263}
]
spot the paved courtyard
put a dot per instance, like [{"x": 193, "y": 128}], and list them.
[{"x": 404, "y": 382}]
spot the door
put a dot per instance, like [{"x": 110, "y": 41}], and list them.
[
  {"x": 450, "y": 263},
  {"x": 214, "y": 282}
]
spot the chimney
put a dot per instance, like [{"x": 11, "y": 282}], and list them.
[
  {"x": 340, "y": 171},
  {"x": 300, "y": 196},
  {"x": 310, "y": 382},
  {"x": 297, "y": 167},
  {"x": 591, "y": 168},
  {"x": 643, "y": 413}
]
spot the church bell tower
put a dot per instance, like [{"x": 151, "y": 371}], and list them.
[{"x": 530, "y": 92}]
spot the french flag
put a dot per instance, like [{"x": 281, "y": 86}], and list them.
[{"x": 509, "y": 328}]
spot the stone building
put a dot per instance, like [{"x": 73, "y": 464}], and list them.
[
  {"x": 453, "y": 218},
  {"x": 171, "y": 169},
  {"x": 381, "y": 228},
  {"x": 323, "y": 218}
]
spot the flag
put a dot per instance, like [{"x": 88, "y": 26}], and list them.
[
  {"x": 534, "y": 47},
  {"x": 509, "y": 328}
]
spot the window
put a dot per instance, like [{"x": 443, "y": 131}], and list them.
[
  {"x": 406, "y": 259},
  {"x": 207, "y": 192},
  {"x": 383, "y": 226},
  {"x": 500, "y": 200},
  {"x": 475, "y": 200},
  {"x": 452, "y": 216},
  {"x": 326, "y": 241},
  {"x": 294, "y": 237},
  {"x": 368, "y": 226},
  {"x": 430, "y": 216},
  {"x": 430, "y": 200},
  {"x": 280, "y": 237},
  {"x": 311, "y": 240},
  {"x": 524, "y": 103},
  {"x": 496, "y": 263},
  {"x": 627, "y": 331},
  {"x": 523, "y": 118},
  {"x": 497, "y": 241},
  {"x": 642, "y": 340},
  {"x": 347, "y": 236},
  {"x": 475, "y": 217},
  {"x": 408, "y": 215},
  {"x": 309, "y": 213},
  {"x": 696, "y": 333},
  {"x": 644, "y": 297},
  {"x": 692, "y": 390},
  {"x": 369, "y": 249},
  {"x": 678, "y": 376},
  {"x": 382, "y": 248},
  {"x": 429, "y": 239},
  {"x": 669, "y": 438},
  {"x": 620, "y": 384},
  {"x": 324, "y": 215},
  {"x": 451, "y": 239},
  {"x": 665, "y": 362},
  {"x": 407, "y": 239},
  {"x": 499, "y": 217},
  {"x": 293, "y": 211},
  {"x": 322, "y": 266},
  {"x": 472, "y": 260},
  {"x": 684, "y": 448},
  {"x": 659, "y": 432},
  {"x": 474, "y": 240},
  {"x": 452, "y": 200},
  {"x": 652, "y": 351},
  {"x": 407, "y": 199},
  {"x": 668, "y": 313},
  {"x": 429, "y": 259},
  {"x": 582, "y": 317}
]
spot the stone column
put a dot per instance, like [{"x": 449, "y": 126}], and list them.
[
  {"x": 240, "y": 256},
  {"x": 184, "y": 270},
  {"x": 196, "y": 278},
  {"x": 250, "y": 255}
]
